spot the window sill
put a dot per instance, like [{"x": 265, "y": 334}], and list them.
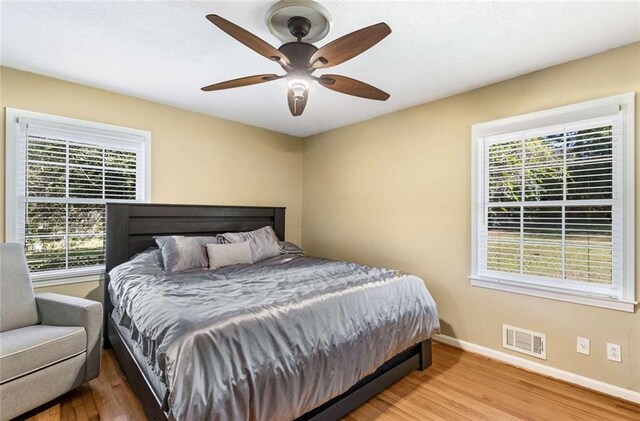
[
  {"x": 40, "y": 280},
  {"x": 554, "y": 294}
]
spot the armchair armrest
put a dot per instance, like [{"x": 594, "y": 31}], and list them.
[{"x": 63, "y": 310}]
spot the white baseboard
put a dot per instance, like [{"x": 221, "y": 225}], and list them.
[{"x": 606, "y": 388}]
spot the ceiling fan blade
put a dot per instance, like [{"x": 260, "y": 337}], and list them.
[
  {"x": 296, "y": 105},
  {"x": 247, "y": 38},
  {"x": 354, "y": 87},
  {"x": 349, "y": 46},
  {"x": 243, "y": 81}
]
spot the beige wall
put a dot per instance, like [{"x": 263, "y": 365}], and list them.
[
  {"x": 196, "y": 158},
  {"x": 395, "y": 191}
]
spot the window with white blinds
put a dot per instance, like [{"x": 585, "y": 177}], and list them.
[
  {"x": 62, "y": 176},
  {"x": 551, "y": 207}
]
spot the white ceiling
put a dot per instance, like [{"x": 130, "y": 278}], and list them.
[{"x": 166, "y": 51}]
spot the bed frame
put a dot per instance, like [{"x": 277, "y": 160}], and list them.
[{"x": 130, "y": 230}]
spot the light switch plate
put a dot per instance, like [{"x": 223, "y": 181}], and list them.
[{"x": 583, "y": 346}]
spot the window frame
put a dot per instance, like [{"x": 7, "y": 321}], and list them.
[
  {"x": 623, "y": 298},
  {"x": 12, "y": 213}
]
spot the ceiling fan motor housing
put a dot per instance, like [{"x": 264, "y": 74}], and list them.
[{"x": 299, "y": 54}]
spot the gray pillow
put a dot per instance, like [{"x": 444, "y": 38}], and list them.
[
  {"x": 287, "y": 247},
  {"x": 221, "y": 255},
  {"x": 264, "y": 242},
  {"x": 181, "y": 253}
]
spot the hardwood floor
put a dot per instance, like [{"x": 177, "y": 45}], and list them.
[{"x": 458, "y": 386}]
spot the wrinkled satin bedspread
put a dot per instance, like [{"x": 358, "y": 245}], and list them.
[{"x": 268, "y": 341}]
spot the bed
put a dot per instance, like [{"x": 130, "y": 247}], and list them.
[{"x": 307, "y": 338}]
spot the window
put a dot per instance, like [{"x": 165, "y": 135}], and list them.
[
  {"x": 60, "y": 174},
  {"x": 553, "y": 203}
]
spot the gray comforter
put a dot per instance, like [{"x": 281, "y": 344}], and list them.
[{"x": 268, "y": 341}]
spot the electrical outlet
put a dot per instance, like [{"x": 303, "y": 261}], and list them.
[
  {"x": 583, "y": 346},
  {"x": 613, "y": 352}
]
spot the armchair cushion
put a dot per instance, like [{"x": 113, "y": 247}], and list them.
[
  {"x": 28, "y": 349},
  {"x": 17, "y": 300},
  {"x": 63, "y": 310}
]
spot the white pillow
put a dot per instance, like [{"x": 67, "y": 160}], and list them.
[{"x": 221, "y": 255}]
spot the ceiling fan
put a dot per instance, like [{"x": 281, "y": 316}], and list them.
[{"x": 301, "y": 59}]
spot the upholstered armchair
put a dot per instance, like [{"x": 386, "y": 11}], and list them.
[{"x": 49, "y": 343}]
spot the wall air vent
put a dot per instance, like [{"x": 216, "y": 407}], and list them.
[{"x": 524, "y": 341}]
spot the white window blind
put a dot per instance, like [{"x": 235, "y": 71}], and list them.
[
  {"x": 553, "y": 210},
  {"x": 550, "y": 210},
  {"x": 64, "y": 176}
]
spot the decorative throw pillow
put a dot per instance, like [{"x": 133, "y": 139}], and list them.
[
  {"x": 181, "y": 253},
  {"x": 221, "y": 255},
  {"x": 287, "y": 247},
  {"x": 264, "y": 242}
]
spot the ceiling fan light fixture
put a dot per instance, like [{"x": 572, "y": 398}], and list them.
[
  {"x": 299, "y": 87},
  {"x": 300, "y": 58}
]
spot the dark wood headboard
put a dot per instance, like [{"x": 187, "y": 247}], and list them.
[{"x": 131, "y": 228}]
